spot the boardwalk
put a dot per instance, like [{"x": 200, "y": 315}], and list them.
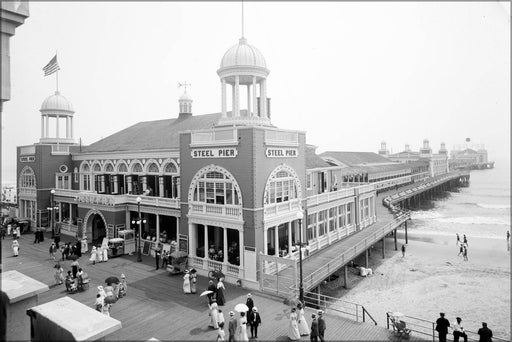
[{"x": 156, "y": 306}]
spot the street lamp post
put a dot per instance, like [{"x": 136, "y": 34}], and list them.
[
  {"x": 139, "y": 221},
  {"x": 300, "y": 216},
  {"x": 52, "y": 211}
]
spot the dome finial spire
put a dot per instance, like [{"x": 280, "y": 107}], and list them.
[
  {"x": 242, "y": 18},
  {"x": 184, "y": 85}
]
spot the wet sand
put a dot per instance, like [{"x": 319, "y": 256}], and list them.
[{"x": 432, "y": 279}]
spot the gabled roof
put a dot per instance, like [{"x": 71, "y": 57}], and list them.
[
  {"x": 153, "y": 135},
  {"x": 356, "y": 158},
  {"x": 313, "y": 161}
]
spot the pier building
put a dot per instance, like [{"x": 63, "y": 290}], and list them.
[
  {"x": 225, "y": 187},
  {"x": 470, "y": 157}
]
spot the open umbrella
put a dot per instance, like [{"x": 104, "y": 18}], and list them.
[
  {"x": 205, "y": 293},
  {"x": 112, "y": 280},
  {"x": 241, "y": 307}
]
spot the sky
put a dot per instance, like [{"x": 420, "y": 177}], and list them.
[{"x": 350, "y": 74}]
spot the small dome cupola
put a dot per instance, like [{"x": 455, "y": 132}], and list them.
[
  {"x": 185, "y": 103},
  {"x": 443, "y": 149},
  {"x": 243, "y": 65},
  {"x": 425, "y": 151},
  {"x": 383, "y": 149},
  {"x": 57, "y": 109}
]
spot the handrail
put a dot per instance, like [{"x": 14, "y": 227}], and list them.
[
  {"x": 427, "y": 328},
  {"x": 355, "y": 311},
  {"x": 353, "y": 251}
]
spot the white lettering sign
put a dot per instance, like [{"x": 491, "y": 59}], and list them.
[
  {"x": 282, "y": 152},
  {"x": 216, "y": 152}
]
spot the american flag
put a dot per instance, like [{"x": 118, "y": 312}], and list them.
[{"x": 51, "y": 67}]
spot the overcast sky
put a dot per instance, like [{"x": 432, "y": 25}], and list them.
[{"x": 350, "y": 74}]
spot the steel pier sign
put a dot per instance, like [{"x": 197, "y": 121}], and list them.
[
  {"x": 282, "y": 153},
  {"x": 214, "y": 152}
]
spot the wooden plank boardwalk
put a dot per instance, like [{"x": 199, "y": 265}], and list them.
[{"x": 157, "y": 307}]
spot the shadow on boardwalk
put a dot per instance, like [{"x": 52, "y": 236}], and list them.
[{"x": 156, "y": 306}]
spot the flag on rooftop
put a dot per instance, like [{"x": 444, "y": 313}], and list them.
[{"x": 51, "y": 67}]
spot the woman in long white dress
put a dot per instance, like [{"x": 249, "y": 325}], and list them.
[
  {"x": 15, "y": 247},
  {"x": 214, "y": 315},
  {"x": 242, "y": 329},
  {"x": 293, "y": 329},
  {"x": 303, "y": 324},
  {"x": 186, "y": 282},
  {"x": 105, "y": 253},
  {"x": 93, "y": 255},
  {"x": 99, "y": 254}
]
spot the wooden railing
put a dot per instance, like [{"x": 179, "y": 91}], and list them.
[
  {"x": 420, "y": 326},
  {"x": 330, "y": 196},
  {"x": 323, "y": 272},
  {"x": 284, "y": 207}
]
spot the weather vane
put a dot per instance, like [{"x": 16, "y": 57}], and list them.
[{"x": 184, "y": 84}]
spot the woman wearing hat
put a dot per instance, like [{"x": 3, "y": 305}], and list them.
[
  {"x": 242, "y": 329},
  {"x": 186, "y": 282},
  {"x": 220, "y": 292},
  {"x": 293, "y": 328},
  {"x": 122, "y": 286},
  {"x": 214, "y": 315},
  {"x": 303, "y": 325}
]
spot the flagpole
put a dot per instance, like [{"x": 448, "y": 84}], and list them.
[{"x": 57, "y": 78}]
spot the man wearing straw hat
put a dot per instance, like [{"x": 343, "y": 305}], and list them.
[
  {"x": 321, "y": 325},
  {"x": 233, "y": 325}
]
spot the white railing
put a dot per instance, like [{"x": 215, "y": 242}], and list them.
[
  {"x": 27, "y": 192},
  {"x": 207, "y": 265},
  {"x": 392, "y": 182},
  {"x": 216, "y": 209},
  {"x": 366, "y": 188},
  {"x": 214, "y": 136},
  {"x": 277, "y": 137},
  {"x": 323, "y": 272},
  {"x": 60, "y": 149},
  {"x": 330, "y": 196},
  {"x": 280, "y": 208},
  {"x": 151, "y": 200}
]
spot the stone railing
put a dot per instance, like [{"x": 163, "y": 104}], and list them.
[{"x": 233, "y": 211}]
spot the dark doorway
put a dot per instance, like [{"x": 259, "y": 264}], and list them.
[{"x": 98, "y": 230}]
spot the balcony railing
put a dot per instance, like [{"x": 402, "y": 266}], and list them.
[
  {"x": 27, "y": 192},
  {"x": 233, "y": 211},
  {"x": 207, "y": 265},
  {"x": 111, "y": 200},
  {"x": 330, "y": 196},
  {"x": 281, "y": 208}
]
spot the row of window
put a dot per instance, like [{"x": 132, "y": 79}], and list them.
[
  {"x": 216, "y": 188},
  {"x": 136, "y": 167},
  {"x": 329, "y": 220}
]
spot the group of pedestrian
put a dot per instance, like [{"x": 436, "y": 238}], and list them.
[
  {"x": 442, "y": 325},
  {"x": 463, "y": 246},
  {"x": 189, "y": 281},
  {"x": 99, "y": 254},
  {"x": 38, "y": 236},
  {"x": 108, "y": 295},
  {"x": 69, "y": 250},
  {"x": 298, "y": 325},
  {"x": 237, "y": 328}
]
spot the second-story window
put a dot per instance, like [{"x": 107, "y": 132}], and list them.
[{"x": 215, "y": 188}]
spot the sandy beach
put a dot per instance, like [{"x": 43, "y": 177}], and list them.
[{"x": 431, "y": 278}]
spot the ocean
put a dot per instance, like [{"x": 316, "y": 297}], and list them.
[{"x": 480, "y": 210}]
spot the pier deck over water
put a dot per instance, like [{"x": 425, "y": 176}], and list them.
[{"x": 157, "y": 307}]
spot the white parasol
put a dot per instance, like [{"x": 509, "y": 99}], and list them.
[
  {"x": 205, "y": 293},
  {"x": 241, "y": 307}
]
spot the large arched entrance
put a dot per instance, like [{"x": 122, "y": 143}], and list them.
[{"x": 96, "y": 227}]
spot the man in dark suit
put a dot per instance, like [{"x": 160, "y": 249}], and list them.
[
  {"x": 485, "y": 333},
  {"x": 250, "y": 304},
  {"x": 313, "y": 335},
  {"x": 442, "y": 325},
  {"x": 321, "y": 325},
  {"x": 254, "y": 321},
  {"x": 213, "y": 288},
  {"x": 232, "y": 326},
  {"x": 157, "y": 257}
]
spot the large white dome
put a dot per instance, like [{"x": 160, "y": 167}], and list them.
[
  {"x": 243, "y": 54},
  {"x": 57, "y": 102}
]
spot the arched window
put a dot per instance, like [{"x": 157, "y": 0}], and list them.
[
  {"x": 153, "y": 168},
  {"x": 122, "y": 168},
  {"x": 216, "y": 187},
  {"x": 85, "y": 167},
  {"x": 137, "y": 168},
  {"x": 283, "y": 185},
  {"x": 109, "y": 168},
  {"x": 96, "y": 167},
  {"x": 27, "y": 178},
  {"x": 170, "y": 168}
]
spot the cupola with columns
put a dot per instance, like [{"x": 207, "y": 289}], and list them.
[
  {"x": 243, "y": 66},
  {"x": 425, "y": 151},
  {"x": 383, "y": 149},
  {"x": 185, "y": 104},
  {"x": 407, "y": 148},
  {"x": 55, "y": 111},
  {"x": 443, "y": 149}
]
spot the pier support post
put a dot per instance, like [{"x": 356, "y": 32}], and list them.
[
  {"x": 366, "y": 258},
  {"x": 406, "y": 239},
  {"x": 383, "y": 246},
  {"x": 345, "y": 276},
  {"x": 394, "y": 237}
]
